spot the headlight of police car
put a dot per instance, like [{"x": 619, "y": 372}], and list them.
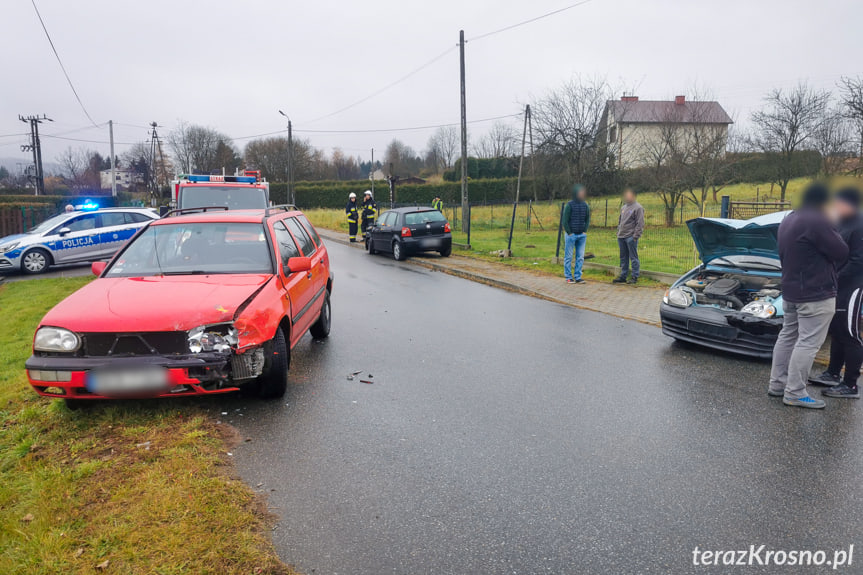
[
  {"x": 677, "y": 297},
  {"x": 213, "y": 338},
  {"x": 8, "y": 247},
  {"x": 56, "y": 339},
  {"x": 760, "y": 309}
]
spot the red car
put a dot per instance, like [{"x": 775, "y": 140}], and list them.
[{"x": 196, "y": 303}]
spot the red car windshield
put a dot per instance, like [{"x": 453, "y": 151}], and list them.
[{"x": 195, "y": 249}]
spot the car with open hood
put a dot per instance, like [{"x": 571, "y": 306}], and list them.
[
  {"x": 733, "y": 300},
  {"x": 196, "y": 303}
]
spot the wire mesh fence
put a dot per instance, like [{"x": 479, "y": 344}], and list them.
[{"x": 666, "y": 245}]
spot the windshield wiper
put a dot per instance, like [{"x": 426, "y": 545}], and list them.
[{"x": 186, "y": 273}]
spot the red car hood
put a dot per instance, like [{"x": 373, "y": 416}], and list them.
[{"x": 158, "y": 303}]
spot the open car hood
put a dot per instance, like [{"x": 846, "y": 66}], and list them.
[{"x": 718, "y": 237}]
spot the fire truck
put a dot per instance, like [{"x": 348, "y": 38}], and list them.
[{"x": 238, "y": 192}]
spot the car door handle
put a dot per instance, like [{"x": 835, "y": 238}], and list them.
[{"x": 309, "y": 275}]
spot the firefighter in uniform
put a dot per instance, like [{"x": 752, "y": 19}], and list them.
[
  {"x": 437, "y": 204},
  {"x": 370, "y": 211},
  {"x": 352, "y": 211}
]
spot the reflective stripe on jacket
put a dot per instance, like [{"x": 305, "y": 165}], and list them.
[{"x": 352, "y": 210}]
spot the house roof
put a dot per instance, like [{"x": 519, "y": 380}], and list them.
[{"x": 662, "y": 112}]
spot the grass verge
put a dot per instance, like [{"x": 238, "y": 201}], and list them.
[{"x": 132, "y": 487}]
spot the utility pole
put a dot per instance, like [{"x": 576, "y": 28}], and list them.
[
  {"x": 465, "y": 203},
  {"x": 372, "y": 172},
  {"x": 35, "y": 146},
  {"x": 518, "y": 182},
  {"x": 291, "y": 198},
  {"x": 113, "y": 166}
]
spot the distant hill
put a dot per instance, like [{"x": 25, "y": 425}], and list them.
[{"x": 12, "y": 164}]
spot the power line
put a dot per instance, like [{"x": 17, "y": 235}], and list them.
[
  {"x": 385, "y": 88},
  {"x": 511, "y": 26},
  {"x": 87, "y": 141},
  {"x": 62, "y": 67},
  {"x": 411, "y": 129}
]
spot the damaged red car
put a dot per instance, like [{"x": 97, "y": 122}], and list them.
[{"x": 196, "y": 303}]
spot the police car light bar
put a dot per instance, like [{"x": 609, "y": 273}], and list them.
[{"x": 221, "y": 179}]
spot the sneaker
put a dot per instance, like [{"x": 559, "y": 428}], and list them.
[
  {"x": 632, "y": 281},
  {"x": 826, "y": 378},
  {"x": 804, "y": 401},
  {"x": 619, "y": 280},
  {"x": 569, "y": 281},
  {"x": 842, "y": 391},
  {"x": 775, "y": 392},
  {"x": 579, "y": 281}
]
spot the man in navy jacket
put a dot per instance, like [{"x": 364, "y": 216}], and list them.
[{"x": 810, "y": 250}]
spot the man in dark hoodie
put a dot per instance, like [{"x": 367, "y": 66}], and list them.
[
  {"x": 845, "y": 349},
  {"x": 810, "y": 251},
  {"x": 576, "y": 220}
]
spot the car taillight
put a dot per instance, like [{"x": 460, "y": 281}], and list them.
[
  {"x": 446, "y": 227},
  {"x": 406, "y": 232}
]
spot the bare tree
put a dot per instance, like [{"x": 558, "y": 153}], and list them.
[
  {"x": 567, "y": 122},
  {"x": 201, "y": 149},
  {"x": 833, "y": 140},
  {"x": 442, "y": 147},
  {"x": 73, "y": 163},
  {"x": 403, "y": 158},
  {"x": 851, "y": 95},
  {"x": 787, "y": 124},
  {"x": 501, "y": 141}
]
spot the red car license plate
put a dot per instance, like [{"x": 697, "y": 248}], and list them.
[{"x": 127, "y": 381}]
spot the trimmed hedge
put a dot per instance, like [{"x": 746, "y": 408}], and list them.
[{"x": 335, "y": 195}]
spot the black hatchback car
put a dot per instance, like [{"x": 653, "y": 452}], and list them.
[{"x": 407, "y": 231}]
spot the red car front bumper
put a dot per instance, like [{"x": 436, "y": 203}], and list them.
[{"x": 188, "y": 375}]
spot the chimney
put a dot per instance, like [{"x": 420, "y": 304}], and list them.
[
  {"x": 680, "y": 100},
  {"x": 629, "y": 98}
]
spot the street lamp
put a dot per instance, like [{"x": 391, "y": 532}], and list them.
[{"x": 290, "y": 159}]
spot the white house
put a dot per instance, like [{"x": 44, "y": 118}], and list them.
[
  {"x": 125, "y": 178},
  {"x": 636, "y": 132}
]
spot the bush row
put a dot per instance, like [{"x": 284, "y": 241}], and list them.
[{"x": 311, "y": 195}]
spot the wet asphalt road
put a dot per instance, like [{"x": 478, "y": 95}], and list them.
[{"x": 505, "y": 434}]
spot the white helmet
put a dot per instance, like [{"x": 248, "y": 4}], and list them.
[
  {"x": 353, "y": 196},
  {"x": 368, "y": 192}
]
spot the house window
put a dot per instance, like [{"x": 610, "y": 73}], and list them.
[{"x": 612, "y": 134}]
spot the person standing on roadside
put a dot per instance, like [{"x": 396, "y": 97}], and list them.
[
  {"x": 810, "y": 250},
  {"x": 845, "y": 348},
  {"x": 629, "y": 230},
  {"x": 370, "y": 211},
  {"x": 352, "y": 211},
  {"x": 437, "y": 204},
  {"x": 576, "y": 221}
]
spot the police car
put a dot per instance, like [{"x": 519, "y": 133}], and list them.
[{"x": 72, "y": 237}]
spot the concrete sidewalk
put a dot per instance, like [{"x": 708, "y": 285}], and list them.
[{"x": 639, "y": 303}]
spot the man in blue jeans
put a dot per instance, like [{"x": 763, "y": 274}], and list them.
[
  {"x": 629, "y": 230},
  {"x": 576, "y": 220}
]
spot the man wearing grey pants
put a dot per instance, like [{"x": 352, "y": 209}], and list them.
[{"x": 810, "y": 249}]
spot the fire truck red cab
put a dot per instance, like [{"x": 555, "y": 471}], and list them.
[{"x": 238, "y": 192}]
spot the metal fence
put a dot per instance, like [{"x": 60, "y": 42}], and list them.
[{"x": 663, "y": 247}]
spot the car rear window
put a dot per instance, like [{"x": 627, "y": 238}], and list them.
[
  {"x": 113, "y": 219},
  {"x": 414, "y": 218}
]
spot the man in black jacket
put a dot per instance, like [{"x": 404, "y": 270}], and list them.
[
  {"x": 810, "y": 251},
  {"x": 845, "y": 349}
]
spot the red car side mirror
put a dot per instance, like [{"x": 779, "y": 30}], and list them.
[
  {"x": 299, "y": 264},
  {"x": 98, "y": 267}
]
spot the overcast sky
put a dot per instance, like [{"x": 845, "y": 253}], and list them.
[{"x": 232, "y": 65}]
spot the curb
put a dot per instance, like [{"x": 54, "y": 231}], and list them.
[{"x": 478, "y": 278}]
